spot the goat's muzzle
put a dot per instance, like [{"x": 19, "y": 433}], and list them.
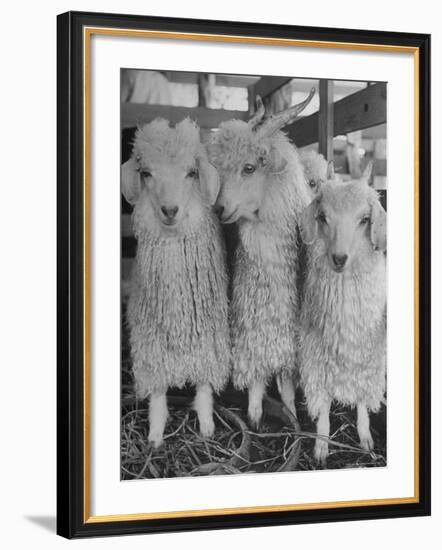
[
  {"x": 169, "y": 214},
  {"x": 339, "y": 261}
]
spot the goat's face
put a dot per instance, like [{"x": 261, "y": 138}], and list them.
[
  {"x": 316, "y": 170},
  {"x": 243, "y": 182},
  {"x": 169, "y": 170},
  {"x": 246, "y": 155},
  {"x": 349, "y": 219},
  {"x": 169, "y": 186}
]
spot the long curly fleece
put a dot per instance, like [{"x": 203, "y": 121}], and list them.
[
  {"x": 264, "y": 309},
  {"x": 343, "y": 333},
  {"x": 177, "y": 310}
]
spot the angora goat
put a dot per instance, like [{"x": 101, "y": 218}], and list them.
[
  {"x": 343, "y": 334},
  {"x": 262, "y": 188},
  {"x": 315, "y": 169},
  {"x": 177, "y": 310}
]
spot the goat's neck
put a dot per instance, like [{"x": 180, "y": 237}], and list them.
[
  {"x": 272, "y": 238},
  {"x": 267, "y": 244}
]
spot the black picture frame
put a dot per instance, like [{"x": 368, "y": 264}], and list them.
[{"x": 71, "y": 519}]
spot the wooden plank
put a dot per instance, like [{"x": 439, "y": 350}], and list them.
[
  {"x": 267, "y": 85},
  {"x": 133, "y": 114},
  {"x": 230, "y": 80},
  {"x": 235, "y": 81},
  {"x": 355, "y": 112},
  {"x": 361, "y": 110},
  {"x": 325, "y": 119},
  {"x": 304, "y": 131}
]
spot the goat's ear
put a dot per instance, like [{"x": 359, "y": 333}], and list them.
[
  {"x": 209, "y": 178},
  {"x": 366, "y": 176},
  {"x": 378, "y": 231},
  {"x": 130, "y": 181},
  {"x": 309, "y": 224}
]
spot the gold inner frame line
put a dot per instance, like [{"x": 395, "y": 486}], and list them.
[{"x": 87, "y": 33}]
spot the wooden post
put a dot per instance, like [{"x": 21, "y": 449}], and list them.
[
  {"x": 326, "y": 119},
  {"x": 202, "y": 89},
  {"x": 251, "y": 97}
]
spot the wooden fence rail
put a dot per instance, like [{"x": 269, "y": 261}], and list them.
[
  {"x": 357, "y": 111},
  {"x": 134, "y": 114}
]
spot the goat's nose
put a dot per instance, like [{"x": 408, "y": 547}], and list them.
[
  {"x": 339, "y": 260},
  {"x": 219, "y": 209},
  {"x": 170, "y": 212}
]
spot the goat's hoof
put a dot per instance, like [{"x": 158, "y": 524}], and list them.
[
  {"x": 367, "y": 443},
  {"x": 156, "y": 440},
  {"x": 207, "y": 427},
  {"x": 256, "y": 425},
  {"x": 321, "y": 452},
  {"x": 255, "y": 416}
]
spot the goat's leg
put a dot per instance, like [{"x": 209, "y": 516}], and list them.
[
  {"x": 286, "y": 387},
  {"x": 256, "y": 394},
  {"x": 366, "y": 441},
  {"x": 203, "y": 405},
  {"x": 323, "y": 430},
  {"x": 157, "y": 418}
]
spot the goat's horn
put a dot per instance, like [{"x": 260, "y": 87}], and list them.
[
  {"x": 259, "y": 113},
  {"x": 331, "y": 170},
  {"x": 367, "y": 172},
  {"x": 279, "y": 120}
]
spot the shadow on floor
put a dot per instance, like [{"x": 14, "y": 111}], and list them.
[{"x": 48, "y": 523}]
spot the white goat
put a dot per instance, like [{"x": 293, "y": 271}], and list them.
[
  {"x": 177, "y": 310},
  {"x": 263, "y": 189},
  {"x": 316, "y": 169},
  {"x": 343, "y": 334}
]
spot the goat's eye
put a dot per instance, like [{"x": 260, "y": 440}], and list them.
[
  {"x": 145, "y": 173},
  {"x": 249, "y": 169},
  {"x": 365, "y": 220},
  {"x": 312, "y": 184},
  {"x": 193, "y": 173},
  {"x": 321, "y": 217}
]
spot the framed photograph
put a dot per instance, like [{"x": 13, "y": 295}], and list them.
[{"x": 239, "y": 205}]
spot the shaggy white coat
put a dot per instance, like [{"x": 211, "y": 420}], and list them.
[
  {"x": 177, "y": 309},
  {"x": 343, "y": 332},
  {"x": 264, "y": 310}
]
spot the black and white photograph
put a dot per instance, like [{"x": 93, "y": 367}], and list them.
[
  {"x": 243, "y": 271},
  {"x": 253, "y": 274}
]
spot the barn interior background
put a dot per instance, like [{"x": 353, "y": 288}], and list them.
[{"x": 347, "y": 122}]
